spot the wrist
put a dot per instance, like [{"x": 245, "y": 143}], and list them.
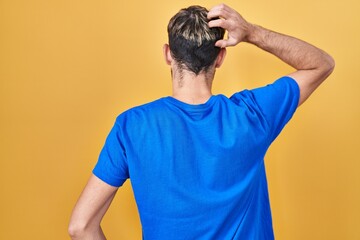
[{"x": 255, "y": 34}]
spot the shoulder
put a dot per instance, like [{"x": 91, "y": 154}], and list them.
[
  {"x": 282, "y": 87},
  {"x": 141, "y": 111}
]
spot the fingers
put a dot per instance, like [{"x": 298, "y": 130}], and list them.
[
  {"x": 227, "y": 18},
  {"x": 218, "y": 11},
  {"x": 218, "y": 23},
  {"x": 223, "y": 43},
  {"x": 223, "y": 16}
]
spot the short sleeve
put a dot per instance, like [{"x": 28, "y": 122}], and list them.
[
  {"x": 112, "y": 165},
  {"x": 277, "y": 102}
]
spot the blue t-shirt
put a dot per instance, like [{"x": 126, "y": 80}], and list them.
[{"x": 197, "y": 171}]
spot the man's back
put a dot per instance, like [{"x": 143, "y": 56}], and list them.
[{"x": 197, "y": 171}]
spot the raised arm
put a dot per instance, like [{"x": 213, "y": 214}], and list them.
[
  {"x": 90, "y": 209},
  {"x": 312, "y": 65}
]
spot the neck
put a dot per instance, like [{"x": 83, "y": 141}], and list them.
[{"x": 192, "y": 89}]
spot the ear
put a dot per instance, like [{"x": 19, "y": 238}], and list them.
[
  {"x": 167, "y": 54},
  {"x": 220, "y": 58}
]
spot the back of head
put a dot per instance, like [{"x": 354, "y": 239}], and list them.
[{"x": 191, "y": 41}]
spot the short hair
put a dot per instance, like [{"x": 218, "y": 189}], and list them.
[{"x": 192, "y": 41}]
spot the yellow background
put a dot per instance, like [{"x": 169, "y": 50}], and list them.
[{"x": 68, "y": 68}]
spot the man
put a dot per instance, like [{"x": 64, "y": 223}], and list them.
[{"x": 195, "y": 160}]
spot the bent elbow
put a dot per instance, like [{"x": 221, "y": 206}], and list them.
[
  {"x": 329, "y": 66},
  {"x": 76, "y": 231}
]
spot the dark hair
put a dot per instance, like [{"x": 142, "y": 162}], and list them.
[{"x": 191, "y": 41}]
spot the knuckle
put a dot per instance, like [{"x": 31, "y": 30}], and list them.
[{"x": 222, "y": 6}]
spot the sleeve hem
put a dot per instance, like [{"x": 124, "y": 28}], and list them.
[
  {"x": 297, "y": 90},
  {"x": 112, "y": 182}
]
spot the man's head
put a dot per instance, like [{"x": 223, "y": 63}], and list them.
[{"x": 191, "y": 41}]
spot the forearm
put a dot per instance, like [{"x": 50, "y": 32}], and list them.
[
  {"x": 293, "y": 51},
  {"x": 83, "y": 227},
  {"x": 312, "y": 64},
  {"x": 90, "y": 209}
]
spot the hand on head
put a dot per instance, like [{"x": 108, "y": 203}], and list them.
[{"x": 227, "y": 18}]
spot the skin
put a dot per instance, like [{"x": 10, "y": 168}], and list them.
[
  {"x": 312, "y": 66},
  {"x": 89, "y": 210}
]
